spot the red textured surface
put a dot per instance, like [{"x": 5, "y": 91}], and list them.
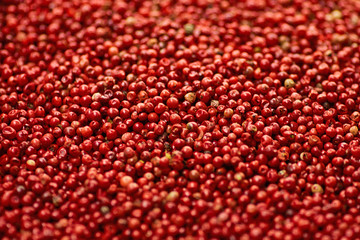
[{"x": 189, "y": 119}]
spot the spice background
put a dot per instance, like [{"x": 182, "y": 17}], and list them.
[{"x": 188, "y": 119}]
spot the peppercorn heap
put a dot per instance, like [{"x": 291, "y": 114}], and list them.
[{"x": 203, "y": 119}]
